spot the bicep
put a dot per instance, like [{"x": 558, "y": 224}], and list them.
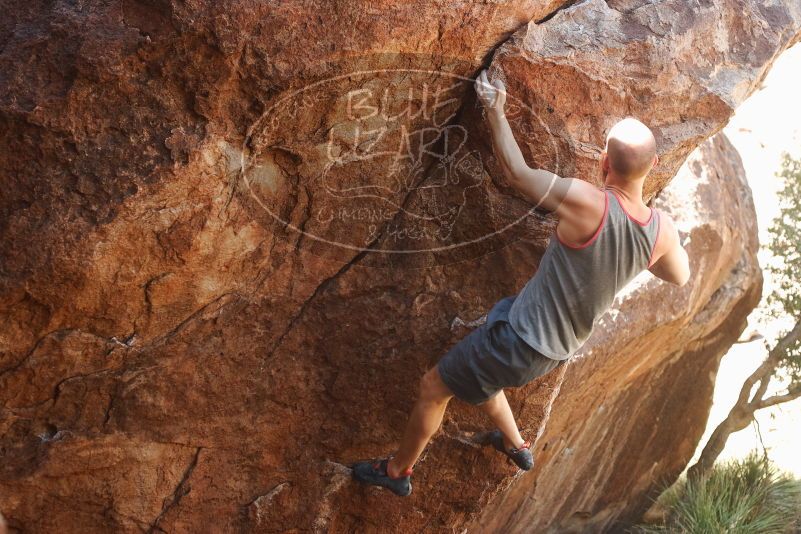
[
  {"x": 542, "y": 188},
  {"x": 550, "y": 191}
]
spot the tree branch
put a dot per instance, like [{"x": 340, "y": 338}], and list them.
[
  {"x": 784, "y": 343},
  {"x": 766, "y": 369},
  {"x": 792, "y": 393},
  {"x": 764, "y": 381}
]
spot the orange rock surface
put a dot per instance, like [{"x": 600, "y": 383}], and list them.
[{"x": 235, "y": 234}]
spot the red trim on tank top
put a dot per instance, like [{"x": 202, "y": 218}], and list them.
[
  {"x": 653, "y": 247},
  {"x": 592, "y": 239},
  {"x": 629, "y": 215}
]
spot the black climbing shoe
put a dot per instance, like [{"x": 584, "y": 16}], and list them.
[
  {"x": 522, "y": 457},
  {"x": 375, "y": 473}
]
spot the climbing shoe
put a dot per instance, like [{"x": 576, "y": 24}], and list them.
[
  {"x": 375, "y": 473},
  {"x": 522, "y": 456}
]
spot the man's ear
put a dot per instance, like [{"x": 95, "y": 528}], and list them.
[
  {"x": 656, "y": 160},
  {"x": 604, "y": 161},
  {"x": 603, "y": 164}
]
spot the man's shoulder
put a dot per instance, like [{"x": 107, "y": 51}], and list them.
[{"x": 583, "y": 194}]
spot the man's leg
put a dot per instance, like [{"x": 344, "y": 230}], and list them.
[
  {"x": 423, "y": 422},
  {"x": 497, "y": 407}
]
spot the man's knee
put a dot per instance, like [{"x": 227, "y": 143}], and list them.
[{"x": 432, "y": 388}]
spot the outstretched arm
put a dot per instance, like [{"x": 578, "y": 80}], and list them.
[
  {"x": 541, "y": 187},
  {"x": 568, "y": 197}
]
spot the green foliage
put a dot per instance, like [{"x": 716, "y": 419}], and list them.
[
  {"x": 746, "y": 496},
  {"x": 785, "y": 270}
]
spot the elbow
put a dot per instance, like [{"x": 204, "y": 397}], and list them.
[
  {"x": 517, "y": 173},
  {"x": 683, "y": 277},
  {"x": 681, "y": 274},
  {"x": 685, "y": 273},
  {"x": 513, "y": 179}
]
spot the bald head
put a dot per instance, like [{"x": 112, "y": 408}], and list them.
[{"x": 631, "y": 149}]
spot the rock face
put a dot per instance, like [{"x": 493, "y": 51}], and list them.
[
  {"x": 234, "y": 235},
  {"x": 634, "y": 403}
]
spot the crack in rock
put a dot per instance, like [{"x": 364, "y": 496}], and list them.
[{"x": 180, "y": 491}]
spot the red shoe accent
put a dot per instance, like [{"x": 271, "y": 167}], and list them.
[{"x": 406, "y": 473}]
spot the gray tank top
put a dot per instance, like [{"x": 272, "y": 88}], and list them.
[{"x": 574, "y": 285}]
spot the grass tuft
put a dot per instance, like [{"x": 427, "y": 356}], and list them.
[{"x": 748, "y": 496}]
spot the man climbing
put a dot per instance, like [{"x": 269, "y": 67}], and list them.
[{"x": 603, "y": 239}]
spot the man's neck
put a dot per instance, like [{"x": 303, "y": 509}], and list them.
[{"x": 631, "y": 190}]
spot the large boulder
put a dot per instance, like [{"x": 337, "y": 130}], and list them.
[{"x": 234, "y": 235}]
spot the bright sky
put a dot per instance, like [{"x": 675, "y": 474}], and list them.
[{"x": 765, "y": 126}]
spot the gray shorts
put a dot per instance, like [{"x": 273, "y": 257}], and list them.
[{"x": 490, "y": 358}]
